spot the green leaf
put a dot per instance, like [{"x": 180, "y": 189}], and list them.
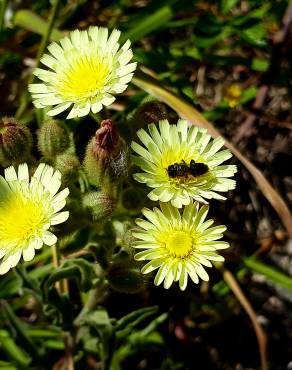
[
  {"x": 55, "y": 344},
  {"x": 257, "y": 13},
  {"x": 148, "y": 24},
  {"x": 227, "y": 5},
  {"x": 78, "y": 269},
  {"x": 12, "y": 351},
  {"x": 9, "y": 285},
  {"x": 6, "y": 366},
  {"x": 44, "y": 333},
  {"x": 100, "y": 322},
  {"x": 255, "y": 35},
  {"x": 206, "y": 42},
  {"x": 248, "y": 94},
  {"x": 30, "y": 21},
  {"x": 150, "y": 328},
  {"x": 28, "y": 282},
  {"x": 127, "y": 323},
  {"x": 271, "y": 273},
  {"x": 261, "y": 65},
  {"x": 21, "y": 331}
]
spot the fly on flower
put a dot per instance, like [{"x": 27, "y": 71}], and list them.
[
  {"x": 86, "y": 70},
  {"x": 178, "y": 244},
  {"x": 28, "y": 208},
  {"x": 182, "y": 163}
]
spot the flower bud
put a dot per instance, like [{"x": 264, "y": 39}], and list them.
[
  {"x": 68, "y": 165},
  {"x": 151, "y": 111},
  {"x": 99, "y": 204},
  {"x": 133, "y": 199},
  {"x": 105, "y": 154},
  {"x": 15, "y": 142},
  {"x": 125, "y": 278},
  {"x": 53, "y": 138}
]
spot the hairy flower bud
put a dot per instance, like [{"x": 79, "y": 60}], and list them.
[
  {"x": 125, "y": 278},
  {"x": 99, "y": 204},
  {"x": 53, "y": 138},
  {"x": 133, "y": 199},
  {"x": 151, "y": 111},
  {"x": 68, "y": 165},
  {"x": 105, "y": 153},
  {"x": 15, "y": 142},
  {"x": 107, "y": 142}
]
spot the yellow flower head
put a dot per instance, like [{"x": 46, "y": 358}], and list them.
[
  {"x": 178, "y": 245},
  {"x": 86, "y": 69},
  {"x": 28, "y": 207},
  {"x": 182, "y": 163},
  {"x": 232, "y": 95}
]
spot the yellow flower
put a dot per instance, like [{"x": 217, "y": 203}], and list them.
[
  {"x": 28, "y": 207},
  {"x": 85, "y": 70},
  {"x": 178, "y": 245},
  {"x": 232, "y": 95},
  {"x": 182, "y": 163}
]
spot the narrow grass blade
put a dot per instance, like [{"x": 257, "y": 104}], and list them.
[
  {"x": 30, "y": 21},
  {"x": 149, "y": 24},
  {"x": 260, "y": 334},
  {"x": 269, "y": 272}
]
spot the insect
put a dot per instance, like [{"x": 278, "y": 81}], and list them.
[
  {"x": 183, "y": 170},
  {"x": 178, "y": 170},
  {"x": 198, "y": 169}
]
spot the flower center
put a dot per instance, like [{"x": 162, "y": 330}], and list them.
[
  {"x": 21, "y": 218},
  {"x": 83, "y": 78},
  {"x": 179, "y": 244}
]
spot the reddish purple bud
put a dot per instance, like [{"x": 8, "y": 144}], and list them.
[
  {"x": 107, "y": 142},
  {"x": 105, "y": 153}
]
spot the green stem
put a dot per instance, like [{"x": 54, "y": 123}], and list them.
[
  {"x": 47, "y": 35},
  {"x": 56, "y": 263},
  {"x": 43, "y": 44},
  {"x": 96, "y": 117},
  {"x": 3, "y": 4}
]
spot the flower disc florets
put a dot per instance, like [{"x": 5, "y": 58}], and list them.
[
  {"x": 178, "y": 245},
  {"x": 86, "y": 69},
  {"x": 28, "y": 207},
  {"x": 182, "y": 163}
]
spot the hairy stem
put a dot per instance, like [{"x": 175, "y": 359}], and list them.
[
  {"x": 3, "y": 4},
  {"x": 43, "y": 44}
]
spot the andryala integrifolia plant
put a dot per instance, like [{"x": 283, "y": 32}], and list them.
[{"x": 181, "y": 164}]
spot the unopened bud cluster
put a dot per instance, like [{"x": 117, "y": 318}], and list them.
[{"x": 94, "y": 184}]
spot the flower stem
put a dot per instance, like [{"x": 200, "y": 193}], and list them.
[
  {"x": 46, "y": 36},
  {"x": 62, "y": 285},
  {"x": 95, "y": 117},
  {"x": 56, "y": 263},
  {"x": 3, "y": 4},
  {"x": 52, "y": 18}
]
